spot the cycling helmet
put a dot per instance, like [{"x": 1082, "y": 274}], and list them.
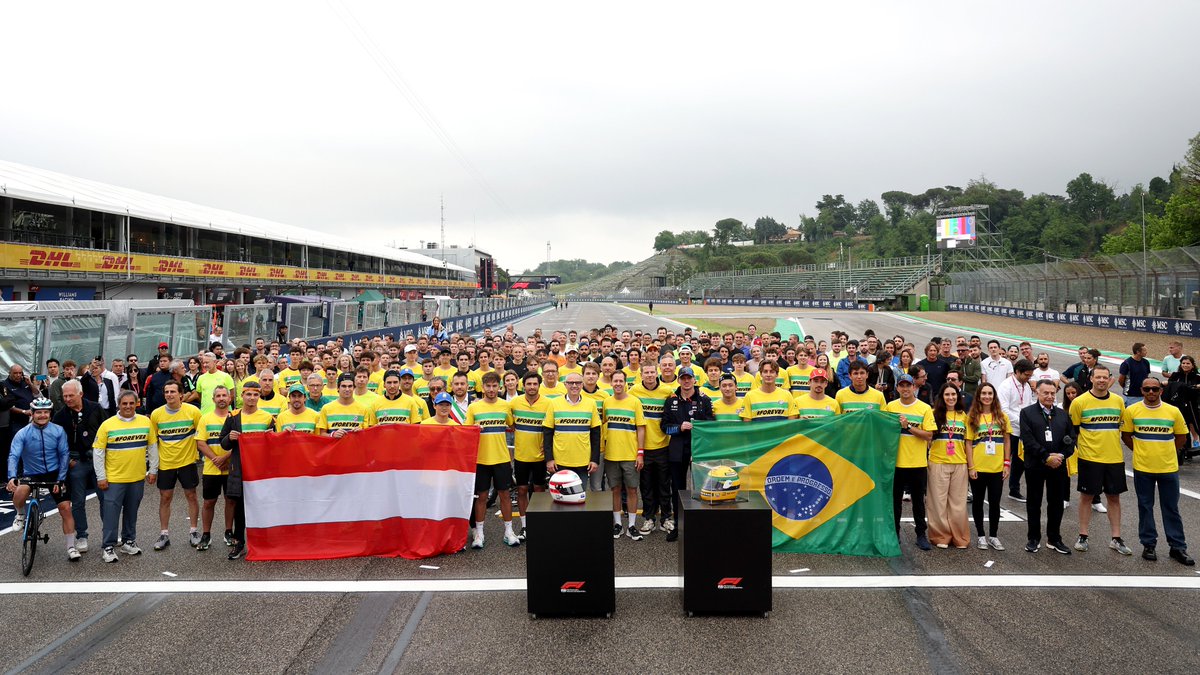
[
  {"x": 567, "y": 488},
  {"x": 721, "y": 485},
  {"x": 41, "y": 403}
]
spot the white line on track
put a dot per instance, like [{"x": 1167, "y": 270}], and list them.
[
  {"x": 1183, "y": 491},
  {"x": 642, "y": 582}
]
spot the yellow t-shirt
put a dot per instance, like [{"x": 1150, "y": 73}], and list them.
[
  {"x": 954, "y": 431},
  {"x": 986, "y": 429},
  {"x": 404, "y": 410},
  {"x": 375, "y": 381},
  {"x": 351, "y": 417},
  {"x": 870, "y": 399},
  {"x": 306, "y": 421},
  {"x": 421, "y": 386},
  {"x": 528, "y": 421},
  {"x": 913, "y": 452},
  {"x": 209, "y": 431},
  {"x": 798, "y": 378},
  {"x": 433, "y": 420},
  {"x": 285, "y": 379},
  {"x": 557, "y": 391},
  {"x": 572, "y": 424},
  {"x": 727, "y": 413},
  {"x": 273, "y": 406},
  {"x": 447, "y": 373},
  {"x": 1154, "y": 431},
  {"x": 176, "y": 434},
  {"x": 777, "y": 405},
  {"x": 781, "y": 380},
  {"x": 1099, "y": 422},
  {"x": 493, "y": 419},
  {"x": 652, "y": 401},
  {"x": 621, "y": 420},
  {"x": 747, "y": 382},
  {"x": 125, "y": 445},
  {"x": 260, "y": 421},
  {"x": 367, "y": 400},
  {"x": 809, "y": 409},
  {"x": 563, "y": 371}
]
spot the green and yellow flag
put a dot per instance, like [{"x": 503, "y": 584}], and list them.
[{"x": 828, "y": 480}]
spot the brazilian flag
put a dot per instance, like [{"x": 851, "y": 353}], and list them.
[{"x": 828, "y": 480}]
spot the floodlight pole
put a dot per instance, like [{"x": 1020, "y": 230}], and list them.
[{"x": 1145, "y": 265}]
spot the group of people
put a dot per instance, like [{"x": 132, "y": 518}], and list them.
[{"x": 617, "y": 407}]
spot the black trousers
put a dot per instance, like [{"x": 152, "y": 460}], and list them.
[
  {"x": 915, "y": 480},
  {"x": 992, "y": 484},
  {"x": 1017, "y": 469},
  {"x": 1054, "y": 483},
  {"x": 656, "y": 484},
  {"x": 239, "y": 519},
  {"x": 679, "y": 473}
]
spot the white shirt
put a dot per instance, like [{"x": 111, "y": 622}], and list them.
[
  {"x": 996, "y": 369},
  {"x": 1013, "y": 397},
  {"x": 1047, "y": 374}
]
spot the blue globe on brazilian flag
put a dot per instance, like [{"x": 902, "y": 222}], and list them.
[{"x": 828, "y": 480}]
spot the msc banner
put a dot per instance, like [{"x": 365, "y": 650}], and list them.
[
  {"x": 401, "y": 490},
  {"x": 25, "y": 257},
  {"x": 1180, "y": 327},
  {"x": 784, "y": 302},
  {"x": 828, "y": 481}
]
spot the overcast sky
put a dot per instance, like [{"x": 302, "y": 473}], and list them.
[{"x": 590, "y": 125}]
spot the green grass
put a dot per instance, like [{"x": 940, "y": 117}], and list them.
[{"x": 701, "y": 323}]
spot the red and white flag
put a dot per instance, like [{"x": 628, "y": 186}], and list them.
[{"x": 398, "y": 490}]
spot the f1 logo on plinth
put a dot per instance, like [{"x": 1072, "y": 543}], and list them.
[
  {"x": 573, "y": 587},
  {"x": 730, "y": 584}
]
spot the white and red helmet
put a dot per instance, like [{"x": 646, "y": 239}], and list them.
[{"x": 566, "y": 487}]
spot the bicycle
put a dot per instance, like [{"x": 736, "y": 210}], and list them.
[{"x": 33, "y": 523}]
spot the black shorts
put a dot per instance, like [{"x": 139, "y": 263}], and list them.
[
  {"x": 487, "y": 475},
  {"x": 1097, "y": 477},
  {"x": 214, "y": 486},
  {"x": 532, "y": 474},
  {"x": 64, "y": 495},
  {"x": 188, "y": 477}
]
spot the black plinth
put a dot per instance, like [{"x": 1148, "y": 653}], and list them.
[
  {"x": 725, "y": 555},
  {"x": 569, "y": 556}
]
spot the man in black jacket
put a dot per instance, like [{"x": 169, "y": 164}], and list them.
[
  {"x": 1046, "y": 435},
  {"x": 682, "y": 408},
  {"x": 153, "y": 393},
  {"x": 80, "y": 418}
]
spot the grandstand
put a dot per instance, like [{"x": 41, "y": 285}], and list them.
[
  {"x": 648, "y": 275},
  {"x": 879, "y": 280}
]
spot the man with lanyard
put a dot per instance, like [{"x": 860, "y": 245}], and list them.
[
  {"x": 1097, "y": 412},
  {"x": 396, "y": 407},
  {"x": 175, "y": 426},
  {"x": 124, "y": 445},
  {"x": 460, "y": 396},
  {"x": 1046, "y": 436},
  {"x": 249, "y": 419},
  {"x": 1015, "y": 393},
  {"x": 216, "y": 467},
  {"x": 685, "y": 406},
  {"x": 297, "y": 416},
  {"x": 1155, "y": 431},
  {"x": 43, "y": 448},
  {"x": 80, "y": 419}
]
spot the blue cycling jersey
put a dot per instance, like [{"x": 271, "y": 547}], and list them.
[{"x": 42, "y": 449}]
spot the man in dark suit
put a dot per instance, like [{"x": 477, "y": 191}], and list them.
[{"x": 1046, "y": 437}]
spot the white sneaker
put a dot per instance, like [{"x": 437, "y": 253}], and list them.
[
  {"x": 109, "y": 555},
  {"x": 511, "y": 539},
  {"x": 18, "y": 522},
  {"x": 130, "y": 548},
  {"x": 994, "y": 542},
  {"x": 668, "y": 525},
  {"x": 907, "y": 497},
  {"x": 477, "y": 542},
  {"x": 73, "y": 554},
  {"x": 647, "y": 527},
  {"x": 1099, "y": 508},
  {"x": 81, "y": 545},
  {"x": 982, "y": 544}
]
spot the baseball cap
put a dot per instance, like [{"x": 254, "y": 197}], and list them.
[
  {"x": 905, "y": 379},
  {"x": 685, "y": 348},
  {"x": 163, "y": 345},
  {"x": 410, "y": 348},
  {"x": 686, "y": 372},
  {"x": 442, "y": 398},
  {"x": 296, "y": 389},
  {"x": 728, "y": 377},
  {"x": 345, "y": 377},
  {"x": 406, "y": 371},
  {"x": 572, "y": 348},
  {"x": 392, "y": 372},
  {"x": 818, "y": 372}
]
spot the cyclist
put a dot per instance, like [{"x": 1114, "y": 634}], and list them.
[{"x": 43, "y": 447}]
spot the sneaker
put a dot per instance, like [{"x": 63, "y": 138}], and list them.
[
  {"x": 511, "y": 539},
  {"x": 970, "y": 497},
  {"x": 73, "y": 554},
  {"x": 943, "y": 545},
  {"x": 477, "y": 542},
  {"x": 18, "y": 522},
  {"x": 109, "y": 555},
  {"x": 205, "y": 542},
  {"x": 1033, "y": 546},
  {"x": 194, "y": 538},
  {"x": 1099, "y": 507},
  {"x": 1118, "y": 545},
  {"x": 907, "y": 497},
  {"x": 1081, "y": 544},
  {"x": 1149, "y": 554},
  {"x": 162, "y": 542},
  {"x": 668, "y": 525},
  {"x": 1180, "y": 556},
  {"x": 130, "y": 548},
  {"x": 634, "y": 534},
  {"x": 994, "y": 542},
  {"x": 238, "y": 551},
  {"x": 524, "y": 534},
  {"x": 647, "y": 527},
  {"x": 1017, "y": 497},
  {"x": 923, "y": 542},
  {"x": 673, "y": 535},
  {"x": 982, "y": 544},
  {"x": 618, "y": 530},
  {"x": 81, "y": 545},
  {"x": 229, "y": 537},
  {"x": 1059, "y": 547}
]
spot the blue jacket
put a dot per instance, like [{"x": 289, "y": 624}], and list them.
[
  {"x": 843, "y": 369},
  {"x": 43, "y": 449}
]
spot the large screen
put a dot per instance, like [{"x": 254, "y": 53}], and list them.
[{"x": 957, "y": 228}]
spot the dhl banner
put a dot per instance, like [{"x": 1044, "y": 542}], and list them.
[{"x": 26, "y": 257}]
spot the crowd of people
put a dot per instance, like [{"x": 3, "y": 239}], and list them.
[{"x": 617, "y": 407}]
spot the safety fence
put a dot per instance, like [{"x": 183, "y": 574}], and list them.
[{"x": 1161, "y": 326}]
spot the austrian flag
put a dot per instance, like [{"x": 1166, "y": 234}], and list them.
[{"x": 400, "y": 490}]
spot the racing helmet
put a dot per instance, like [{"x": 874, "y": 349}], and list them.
[
  {"x": 721, "y": 485},
  {"x": 567, "y": 488},
  {"x": 41, "y": 403}
]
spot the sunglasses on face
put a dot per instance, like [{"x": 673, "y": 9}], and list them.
[{"x": 1151, "y": 389}]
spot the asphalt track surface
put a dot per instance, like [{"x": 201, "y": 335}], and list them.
[{"x": 937, "y": 611}]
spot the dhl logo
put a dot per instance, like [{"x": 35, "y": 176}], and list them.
[
  {"x": 355, "y": 277},
  {"x": 339, "y": 276},
  {"x": 276, "y": 273},
  {"x": 299, "y": 274},
  {"x": 42, "y": 258},
  {"x": 322, "y": 276},
  {"x": 170, "y": 266},
  {"x": 213, "y": 269},
  {"x": 247, "y": 271},
  {"x": 117, "y": 262}
]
